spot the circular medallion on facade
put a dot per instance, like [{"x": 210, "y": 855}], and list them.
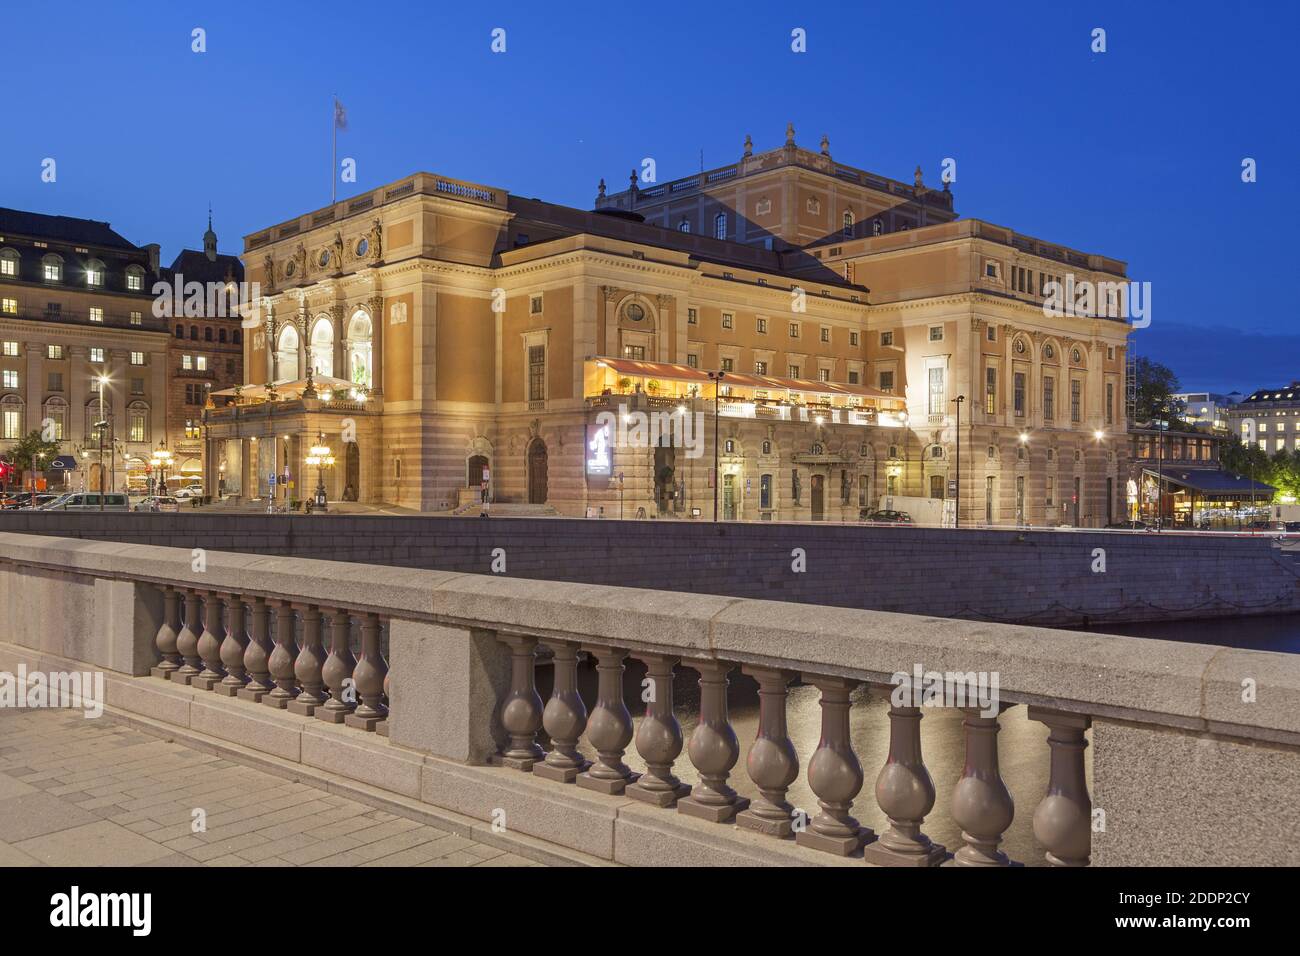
[
  {"x": 289, "y": 267},
  {"x": 362, "y": 246},
  {"x": 1048, "y": 351},
  {"x": 634, "y": 312},
  {"x": 324, "y": 257},
  {"x": 1020, "y": 346},
  {"x": 1076, "y": 357}
]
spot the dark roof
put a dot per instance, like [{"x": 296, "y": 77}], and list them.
[
  {"x": 197, "y": 267},
  {"x": 1282, "y": 393},
  {"x": 85, "y": 232},
  {"x": 1212, "y": 480}
]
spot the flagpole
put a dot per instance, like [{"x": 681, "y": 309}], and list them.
[{"x": 334, "y": 154}]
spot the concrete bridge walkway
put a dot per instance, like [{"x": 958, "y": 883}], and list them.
[{"x": 98, "y": 792}]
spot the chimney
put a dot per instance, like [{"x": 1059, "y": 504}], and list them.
[{"x": 154, "y": 251}]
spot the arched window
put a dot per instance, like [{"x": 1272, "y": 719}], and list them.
[
  {"x": 180, "y": 331},
  {"x": 8, "y": 262},
  {"x": 877, "y": 227},
  {"x": 720, "y": 226},
  {"x": 92, "y": 416},
  {"x": 238, "y": 337},
  {"x": 684, "y": 226},
  {"x": 848, "y": 224},
  {"x": 11, "y": 417},
  {"x": 194, "y": 333},
  {"x": 286, "y": 354},
  {"x": 56, "y": 410},
  {"x": 221, "y": 336},
  {"x": 321, "y": 358},
  {"x": 134, "y": 279},
  {"x": 52, "y": 268},
  {"x": 94, "y": 274},
  {"x": 137, "y": 419},
  {"x": 207, "y": 333},
  {"x": 359, "y": 357}
]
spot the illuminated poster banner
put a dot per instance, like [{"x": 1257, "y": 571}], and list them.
[{"x": 598, "y": 454}]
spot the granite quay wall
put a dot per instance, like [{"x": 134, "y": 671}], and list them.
[
  {"x": 1197, "y": 748},
  {"x": 1055, "y": 578}
]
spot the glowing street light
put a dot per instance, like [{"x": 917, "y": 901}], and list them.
[{"x": 322, "y": 457}]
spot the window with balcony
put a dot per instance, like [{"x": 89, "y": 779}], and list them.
[
  {"x": 936, "y": 392},
  {"x": 887, "y": 381}
]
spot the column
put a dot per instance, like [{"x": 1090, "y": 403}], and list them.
[
  {"x": 610, "y": 728},
  {"x": 370, "y": 677},
  {"x": 981, "y": 804},
  {"x": 377, "y": 321},
  {"x": 209, "y": 645},
  {"x": 659, "y": 737},
  {"x": 772, "y": 762},
  {"x": 233, "y": 648},
  {"x": 187, "y": 641},
  {"x": 1063, "y": 820},
  {"x": 521, "y": 710},
  {"x": 564, "y": 719},
  {"x": 713, "y": 749},
  {"x": 905, "y": 792},
  {"x": 834, "y": 774},
  {"x": 338, "y": 670},
  {"x": 167, "y": 634},
  {"x": 282, "y": 657},
  {"x": 257, "y": 654},
  {"x": 309, "y": 663}
]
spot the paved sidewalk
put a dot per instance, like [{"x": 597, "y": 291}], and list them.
[{"x": 79, "y": 792}]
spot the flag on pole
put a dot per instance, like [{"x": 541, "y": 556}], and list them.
[{"x": 340, "y": 115}]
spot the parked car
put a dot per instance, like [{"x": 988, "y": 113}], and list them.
[
  {"x": 157, "y": 503},
  {"x": 26, "y": 499},
  {"x": 1129, "y": 525},
  {"x": 90, "y": 501},
  {"x": 189, "y": 491},
  {"x": 1291, "y": 527},
  {"x": 889, "y": 517}
]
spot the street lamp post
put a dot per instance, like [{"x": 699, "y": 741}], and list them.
[
  {"x": 716, "y": 379},
  {"x": 957, "y": 509},
  {"x": 1020, "y": 498},
  {"x": 1160, "y": 467},
  {"x": 162, "y": 459},
  {"x": 322, "y": 457}
]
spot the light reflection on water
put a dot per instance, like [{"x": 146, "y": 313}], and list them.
[{"x": 1022, "y": 749}]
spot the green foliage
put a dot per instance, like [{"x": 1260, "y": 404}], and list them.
[
  {"x": 1281, "y": 469},
  {"x": 1156, "y": 384},
  {"x": 33, "y": 448}
]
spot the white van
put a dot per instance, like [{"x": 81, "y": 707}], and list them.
[{"x": 89, "y": 501}]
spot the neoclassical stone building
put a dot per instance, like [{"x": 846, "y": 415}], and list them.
[{"x": 456, "y": 328}]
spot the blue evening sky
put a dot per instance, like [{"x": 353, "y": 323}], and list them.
[{"x": 1135, "y": 153}]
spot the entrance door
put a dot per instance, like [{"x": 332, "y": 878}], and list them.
[
  {"x": 665, "y": 469},
  {"x": 1078, "y": 490},
  {"x": 537, "y": 472},
  {"x": 1110, "y": 501},
  {"x": 352, "y": 472},
  {"x": 474, "y": 471},
  {"x": 818, "y": 497},
  {"x": 728, "y": 497}
]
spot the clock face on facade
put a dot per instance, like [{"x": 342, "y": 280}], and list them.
[{"x": 634, "y": 312}]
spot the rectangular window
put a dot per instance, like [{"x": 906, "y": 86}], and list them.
[
  {"x": 11, "y": 348},
  {"x": 692, "y": 360},
  {"x": 853, "y": 378},
  {"x": 886, "y": 338},
  {"x": 936, "y": 333},
  {"x": 55, "y": 381},
  {"x": 887, "y": 382},
  {"x": 992, "y": 333},
  {"x": 94, "y": 277},
  {"x": 762, "y": 326},
  {"x": 853, "y": 339},
  {"x": 13, "y": 423},
  {"x": 991, "y": 391},
  {"x": 53, "y": 310},
  {"x": 1110, "y": 403},
  {"x": 1019, "y": 397},
  {"x": 793, "y": 371},
  {"x": 201, "y": 363},
  {"x": 57, "y": 416},
  {"x": 536, "y": 373},
  {"x": 794, "y": 330},
  {"x": 824, "y": 374},
  {"x": 51, "y": 272},
  {"x": 1051, "y": 489},
  {"x": 728, "y": 365},
  {"x": 187, "y": 361},
  {"x": 760, "y": 368},
  {"x": 728, "y": 320},
  {"x": 137, "y": 386},
  {"x": 635, "y": 352},
  {"x": 1076, "y": 400},
  {"x": 1049, "y": 398},
  {"x": 936, "y": 391},
  {"x": 137, "y": 358},
  {"x": 137, "y": 426},
  {"x": 535, "y": 304},
  {"x": 826, "y": 334},
  {"x": 936, "y": 486},
  {"x": 9, "y": 306},
  {"x": 10, "y": 378},
  {"x": 54, "y": 351},
  {"x": 692, "y": 317},
  {"x": 134, "y": 281},
  {"x": 765, "y": 491},
  {"x": 96, "y": 314},
  {"x": 137, "y": 318},
  {"x": 8, "y": 267}
]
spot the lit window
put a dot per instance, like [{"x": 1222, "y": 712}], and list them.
[
  {"x": 201, "y": 363},
  {"x": 137, "y": 318},
  {"x": 137, "y": 358},
  {"x": 9, "y": 306},
  {"x": 684, "y": 226},
  {"x": 134, "y": 281},
  {"x": 96, "y": 314},
  {"x": 54, "y": 351},
  {"x": 97, "y": 355},
  {"x": 11, "y": 348},
  {"x": 94, "y": 277},
  {"x": 51, "y": 271},
  {"x": 10, "y": 378},
  {"x": 8, "y": 263},
  {"x": 187, "y": 361},
  {"x": 760, "y": 368},
  {"x": 794, "y": 371}
]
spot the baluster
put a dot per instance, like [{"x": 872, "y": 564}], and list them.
[
  {"x": 282, "y": 658},
  {"x": 338, "y": 670},
  {"x": 713, "y": 749},
  {"x": 981, "y": 805},
  {"x": 564, "y": 719},
  {"x": 521, "y": 710},
  {"x": 905, "y": 792},
  {"x": 659, "y": 737},
  {"x": 308, "y": 664},
  {"x": 187, "y": 641},
  {"x": 772, "y": 762},
  {"x": 1063, "y": 820},
  {"x": 233, "y": 648},
  {"x": 370, "y": 677},
  {"x": 165, "y": 641},
  {"x": 609, "y": 729},
  {"x": 210, "y": 644},
  {"x": 257, "y": 654},
  {"x": 834, "y": 774},
  {"x": 381, "y": 728}
]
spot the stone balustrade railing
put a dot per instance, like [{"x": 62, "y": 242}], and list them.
[{"x": 1188, "y": 741}]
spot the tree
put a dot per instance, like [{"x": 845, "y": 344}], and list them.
[
  {"x": 1156, "y": 384},
  {"x": 33, "y": 452}
]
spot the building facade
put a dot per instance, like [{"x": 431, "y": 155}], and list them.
[
  {"x": 1268, "y": 418},
  {"x": 462, "y": 328},
  {"x": 76, "y": 316}
]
